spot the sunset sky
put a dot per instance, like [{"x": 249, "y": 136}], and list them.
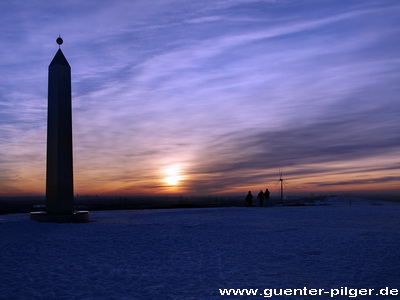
[{"x": 205, "y": 97}]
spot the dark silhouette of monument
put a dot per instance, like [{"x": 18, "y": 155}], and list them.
[{"x": 59, "y": 164}]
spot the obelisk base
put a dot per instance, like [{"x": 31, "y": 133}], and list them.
[{"x": 75, "y": 217}]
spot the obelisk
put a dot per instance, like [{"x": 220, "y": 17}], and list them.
[{"x": 59, "y": 163}]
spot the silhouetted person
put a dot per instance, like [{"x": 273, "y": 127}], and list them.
[
  {"x": 260, "y": 198},
  {"x": 266, "y": 196},
  {"x": 249, "y": 199}
]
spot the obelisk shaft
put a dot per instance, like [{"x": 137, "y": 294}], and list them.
[{"x": 59, "y": 168}]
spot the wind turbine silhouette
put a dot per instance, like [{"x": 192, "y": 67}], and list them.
[{"x": 281, "y": 180}]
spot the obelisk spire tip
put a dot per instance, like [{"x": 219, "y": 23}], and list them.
[{"x": 59, "y": 41}]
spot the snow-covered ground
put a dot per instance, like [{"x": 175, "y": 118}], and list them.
[{"x": 192, "y": 253}]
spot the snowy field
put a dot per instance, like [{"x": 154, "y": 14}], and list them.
[{"x": 192, "y": 253}]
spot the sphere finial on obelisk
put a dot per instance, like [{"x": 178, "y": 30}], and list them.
[{"x": 59, "y": 41}]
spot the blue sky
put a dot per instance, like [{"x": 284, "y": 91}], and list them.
[{"x": 218, "y": 94}]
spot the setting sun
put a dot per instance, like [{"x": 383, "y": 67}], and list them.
[{"x": 173, "y": 175}]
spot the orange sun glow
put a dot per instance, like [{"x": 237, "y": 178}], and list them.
[{"x": 172, "y": 176}]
